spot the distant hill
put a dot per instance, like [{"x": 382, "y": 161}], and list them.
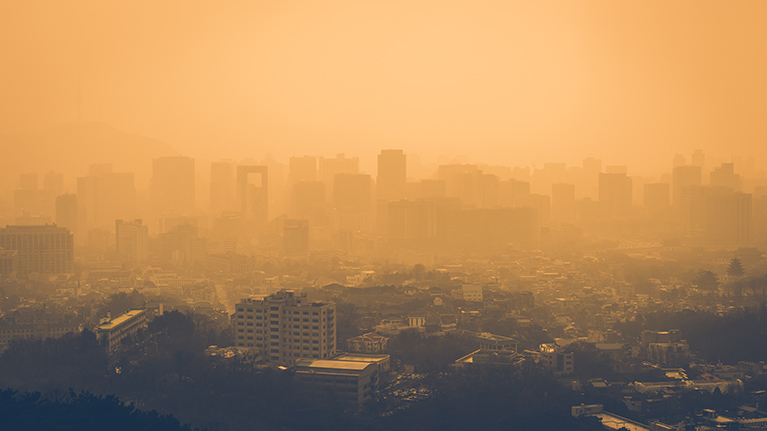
[{"x": 71, "y": 148}]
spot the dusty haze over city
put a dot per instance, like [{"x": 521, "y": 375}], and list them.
[
  {"x": 514, "y": 83},
  {"x": 383, "y": 215}
]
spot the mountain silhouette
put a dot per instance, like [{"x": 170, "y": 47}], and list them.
[{"x": 70, "y": 148}]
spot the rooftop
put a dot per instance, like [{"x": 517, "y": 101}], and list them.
[
  {"x": 120, "y": 319},
  {"x": 330, "y": 364}
]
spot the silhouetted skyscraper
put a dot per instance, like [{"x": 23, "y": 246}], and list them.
[
  {"x": 253, "y": 195},
  {"x": 303, "y": 169},
  {"x": 563, "y": 202},
  {"x": 725, "y": 176},
  {"x": 222, "y": 187},
  {"x": 684, "y": 176},
  {"x": 172, "y": 187},
  {"x": 104, "y": 196},
  {"x": 615, "y": 195},
  {"x": 728, "y": 217},
  {"x": 132, "y": 241},
  {"x": 392, "y": 175},
  {"x": 66, "y": 212}
]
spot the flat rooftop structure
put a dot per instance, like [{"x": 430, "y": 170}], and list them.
[
  {"x": 120, "y": 319},
  {"x": 360, "y": 357},
  {"x": 330, "y": 364},
  {"x": 615, "y": 422}
]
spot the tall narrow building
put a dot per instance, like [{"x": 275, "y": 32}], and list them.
[
  {"x": 222, "y": 187},
  {"x": 392, "y": 175},
  {"x": 132, "y": 241}
]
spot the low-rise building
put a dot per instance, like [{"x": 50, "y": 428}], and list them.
[
  {"x": 555, "y": 358},
  {"x": 352, "y": 382},
  {"x": 471, "y": 292},
  {"x": 35, "y": 325},
  {"x": 383, "y": 362},
  {"x": 367, "y": 343},
  {"x": 483, "y": 357},
  {"x": 112, "y": 331}
]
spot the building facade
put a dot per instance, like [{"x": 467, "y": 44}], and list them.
[
  {"x": 284, "y": 327},
  {"x": 367, "y": 343},
  {"x": 350, "y": 382},
  {"x": 112, "y": 332},
  {"x": 45, "y": 249}
]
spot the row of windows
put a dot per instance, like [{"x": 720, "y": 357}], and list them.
[{"x": 259, "y": 310}]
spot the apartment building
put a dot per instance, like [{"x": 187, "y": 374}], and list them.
[{"x": 284, "y": 327}]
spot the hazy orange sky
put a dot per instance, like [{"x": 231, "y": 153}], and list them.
[{"x": 506, "y": 82}]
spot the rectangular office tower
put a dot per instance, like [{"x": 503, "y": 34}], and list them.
[
  {"x": 392, "y": 175},
  {"x": 45, "y": 249},
  {"x": 132, "y": 241},
  {"x": 284, "y": 327}
]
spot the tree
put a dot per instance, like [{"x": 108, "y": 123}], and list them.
[
  {"x": 707, "y": 280},
  {"x": 736, "y": 268}
]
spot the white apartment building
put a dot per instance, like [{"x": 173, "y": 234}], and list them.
[{"x": 285, "y": 327}]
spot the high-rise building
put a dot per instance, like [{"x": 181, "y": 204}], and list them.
[
  {"x": 104, "y": 196},
  {"x": 563, "y": 202},
  {"x": 172, "y": 187},
  {"x": 132, "y": 241},
  {"x": 295, "y": 235},
  {"x": 66, "y": 212},
  {"x": 728, "y": 218},
  {"x": 692, "y": 209},
  {"x": 285, "y": 327},
  {"x": 392, "y": 175},
  {"x": 352, "y": 192},
  {"x": 25, "y": 198},
  {"x": 412, "y": 221},
  {"x": 303, "y": 169},
  {"x": 615, "y": 195},
  {"x": 698, "y": 159},
  {"x": 54, "y": 182},
  {"x": 253, "y": 194},
  {"x": 684, "y": 176},
  {"x": 330, "y": 167},
  {"x": 307, "y": 199},
  {"x": 591, "y": 169},
  {"x": 725, "y": 176},
  {"x": 9, "y": 262},
  {"x": 46, "y": 249},
  {"x": 222, "y": 187}
]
